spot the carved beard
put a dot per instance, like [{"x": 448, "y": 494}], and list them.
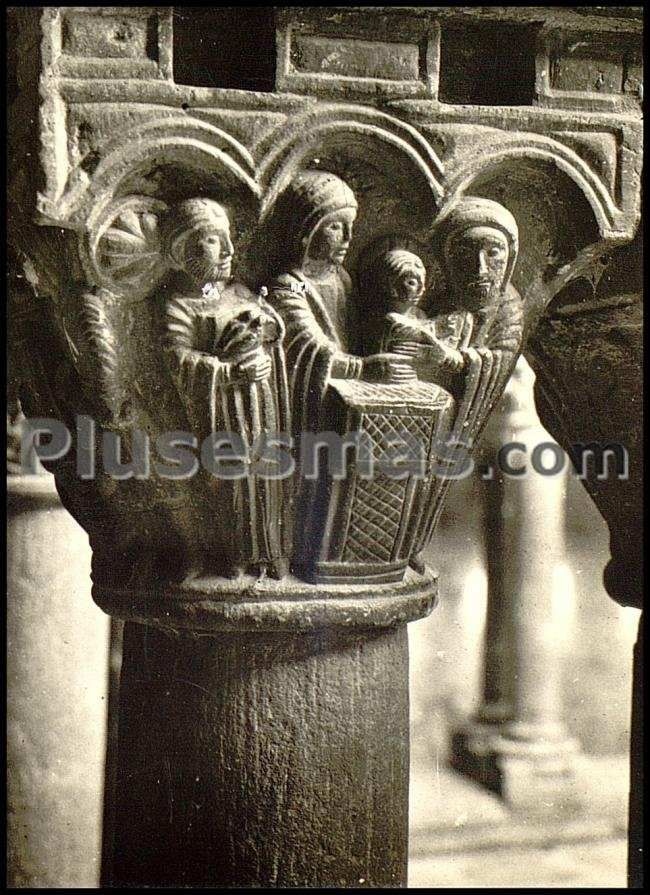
[
  {"x": 203, "y": 271},
  {"x": 479, "y": 297}
]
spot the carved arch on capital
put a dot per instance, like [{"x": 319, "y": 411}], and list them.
[
  {"x": 110, "y": 207},
  {"x": 285, "y": 150},
  {"x": 538, "y": 148},
  {"x": 565, "y": 215},
  {"x": 186, "y": 143}
]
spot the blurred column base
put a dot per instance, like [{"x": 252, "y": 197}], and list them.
[
  {"x": 534, "y": 774},
  {"x": 517, "y": 744}
]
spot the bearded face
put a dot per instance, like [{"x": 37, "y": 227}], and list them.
[
  {"x": 477, "y": 259},
  {"x": 208, "y": 254}
]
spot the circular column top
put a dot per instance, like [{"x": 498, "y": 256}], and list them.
[{"x": 251, "y": 604}]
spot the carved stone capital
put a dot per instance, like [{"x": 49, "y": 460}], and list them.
[
  {"x": 362, "y": 252},
  {"x": 209, "y": 260},
  {"x": 588, "y": 355}
]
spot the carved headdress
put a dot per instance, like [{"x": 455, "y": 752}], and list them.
[
  {"x": 474, "y": 211},
  {"x": 310, "y": 197},
  {"x": 185, "y": 218}
]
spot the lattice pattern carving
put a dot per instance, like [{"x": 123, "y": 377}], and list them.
[{"x": 375, "y": 519}]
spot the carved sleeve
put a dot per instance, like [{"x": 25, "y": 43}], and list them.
[
  {"x": 183, "y": 354},
  {"x": 346, "y": 366},
  {"x": 312, "y": 358},
  {"x": 507, "y": 329},
  {"x": 302, "y": 328}
]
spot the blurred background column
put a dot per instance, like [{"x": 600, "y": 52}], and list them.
[
  {"x": 57, "y": 669},
  {"x": 518, "y": 745}
]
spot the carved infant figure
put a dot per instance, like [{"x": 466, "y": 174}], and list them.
[
  {"x": 407, "y": 329},
  {"x": 477, "y": 241}
]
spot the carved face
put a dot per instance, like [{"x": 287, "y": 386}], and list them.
[
  {"x": 331, "y": 240},
  {"x": 477, "y": 259},
  {"x": 208, "y": 254},
  {"x": 408, "y": 285}
]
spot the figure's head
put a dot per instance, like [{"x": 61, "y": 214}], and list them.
[
  {"x": 405, "y": 275},
  {"x": 322, "y": 209},
  {"x": 197, "y": 240},
  {"x": 331, "y": 240},
  {"x": 479, "y": 240}
]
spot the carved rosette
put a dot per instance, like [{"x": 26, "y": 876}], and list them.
[
  {"x": 121, "y": 247},
  {"x": 251, "y": 314}
]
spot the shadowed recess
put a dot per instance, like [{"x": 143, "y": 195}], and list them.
[
  {"x": 488, "y": 65},
  {"x": 229, "y": 46}
]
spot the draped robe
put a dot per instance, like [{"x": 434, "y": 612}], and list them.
[
  {"x": 489, "y": 342},
  {"x": 316, "y": 352},
  {"x": 205, "y": 337},
  {"x": 315, "y": 343},
  {"x": 317, "y": 320}
]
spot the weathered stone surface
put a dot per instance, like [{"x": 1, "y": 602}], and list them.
[
  {"x": 588, "y": 355},
  {"x": 199, "y": 258},
  {"x": 248, "y": 603},
  {"x": 342, "y": 52},
  {"x": 269, "y": 760}
]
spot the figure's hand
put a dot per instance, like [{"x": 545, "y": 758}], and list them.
[
  {"x": 444, "y": 356},
  {"x": 392, "y": 368},
  {"x": 240, "y": 334},
  {"x": 454, "y": 360},
  {"x": 254, "y": 369}
]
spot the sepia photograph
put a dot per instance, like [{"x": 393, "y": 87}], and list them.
[{"x": 324, "y": 447}]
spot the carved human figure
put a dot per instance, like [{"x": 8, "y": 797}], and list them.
[
  {"x": 405, "y": 326},
  {"x": 223, "y": 347},
  {"x": 477, "y": 240},
  {"x": 313, "y": 297}
]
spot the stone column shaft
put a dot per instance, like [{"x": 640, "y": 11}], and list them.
[
  {"x": 57, "y": 655},
  {"x": 518, "y": 744},
  {"x": 525, "y": 543},
  {"x": 635, "y": 833},
  {"x": 263, "y": 760}
]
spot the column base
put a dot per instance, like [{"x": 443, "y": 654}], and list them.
[{"x": 531, "y": 768}]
